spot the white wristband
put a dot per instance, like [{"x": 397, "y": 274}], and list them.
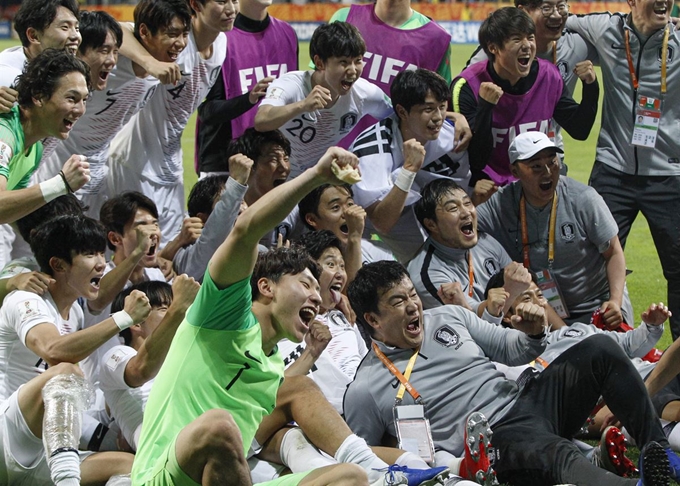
[
  {"x": 53, "y": 188},
  {"x": 122, "y": 320},
  {"x": 405, "y": 179}
]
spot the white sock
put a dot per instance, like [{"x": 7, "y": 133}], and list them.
[
  {"x": 414, "y": 461},
  {"x": 299, "y": 454},
  {"x": 674, "y": 438},
  {"x": 65, "y": 468},
  {"x": 355, "y": 450}
]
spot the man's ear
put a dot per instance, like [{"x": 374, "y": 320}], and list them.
[
  {"x": 430, "y": 225},
  {"x": 58, "y": 265},
  {"x": 514, "y": 170},
  {"x": 115, "y": 238},
  {"x": 265, "y": 288},
  {"x": 312, "y": 221},
  {"x": 195, "y": 5},
  {"x": 144, "y": 32},
  {"x": 401, "y": 112},
  {"x": 372, "y": 319},
  {"x": 33, "y": 35},
  {"x": 493, "y": 48},
  {"x": 318, "y": 62}
]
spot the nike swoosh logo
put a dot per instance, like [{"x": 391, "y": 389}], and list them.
[
  {"x": 618, "y": 46},
  {"x": 113, "y": 93},
  {"x": 250, "y": 356},
  {"x": 535, "y": 142}
]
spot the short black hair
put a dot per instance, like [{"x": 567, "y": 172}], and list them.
[
  {"x": 372, "y": 280},
  {"x": 253, "y": 143},
  {"x": 410, "y": 88},
  {"x": 158, "y": 292},
  {"x": 39, "y": 14},
  {"x": 158, "y": 14},
  {"x": 120, "y": 210},
  {"x": 42, "y": 74},
  {"x": 276, "y": 263},
  {"x": 204, "y": 193},
  {"x": 497, "y": 280},
  {"x": 94, "y": 27},
  {"x": 502, "y": 24},
  {"x": 532, "y": 4},
  {"x": 316, "y": 242},
  {"x": 310, "y": 203},
  {"x": 337, "y": 39},
  {"x": 67, "y": 204},
  {"x": 430, "y": 197},
  {"x": 65, "y": 237}
]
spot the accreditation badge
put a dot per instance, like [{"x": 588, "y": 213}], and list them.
[
  {"x": 551, "y": 292},
  {"x": 647, "y": 119},
  {"x": 413, "y": 431}
]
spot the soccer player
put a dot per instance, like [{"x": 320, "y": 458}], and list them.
[
  {"x": 146, "y": 156},
  {"x": 204, "y": 440},
  {"x": 315, "y": 109}
]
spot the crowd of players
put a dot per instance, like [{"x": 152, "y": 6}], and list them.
[{"x": 271, "y": 329}]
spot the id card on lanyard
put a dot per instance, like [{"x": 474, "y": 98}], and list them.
[
  {"x": 546, "y": 280},
  {"x": 648, "y": 110},
  {"x": 410, "y": 421}
]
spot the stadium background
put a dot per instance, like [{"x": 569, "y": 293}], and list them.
[{"x": 646, "y": 283}]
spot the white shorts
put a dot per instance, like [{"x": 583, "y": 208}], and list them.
[{"x": 22, "y": 455}]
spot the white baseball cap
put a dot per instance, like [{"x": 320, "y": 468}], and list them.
[{"x": 526, "y": 145}]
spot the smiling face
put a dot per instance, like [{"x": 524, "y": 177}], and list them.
[
  {"x": 513, "y": 59},
  {"x": 330, "y": 215},
  {"x": 399, "y": 320},
  {"x": 650, "y": 15},
  {"x": 83, "y": 274},
  {"x": 217, "y": 15},
  {"x": 538, "y": 176},
  {"x": 340, "y": 73},
  {"x": 333, "y": 277},
  {"x": 456, "y": 221},
  {"x": 168, "y": 42},
  {"x": 294, "y": 305},
  {"x": 532, "y": 295},
  {"x": 62, "y": 33},
  {"x": 101, "y": 60},
  {"x": 271, "y": 169},
  {"x": 57, "y": 115},
  {"x": 424, "y": 121},
  {"x": 549, "y": 27}
]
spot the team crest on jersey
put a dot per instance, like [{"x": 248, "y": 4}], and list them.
[
  {"x": 568, "y": 231},
  {"x": 573, "y": 333},
  {"x": 447, "y": 337},
  {"x": 491, "y": 266},
  {"x": 669, "y": 57},
  {"x": 348, "y": 121},
  {"x": 563, "y": 68}
]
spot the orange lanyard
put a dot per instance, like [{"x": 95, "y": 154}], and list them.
[
  {"x": 525, "y": 232},
  {"x": 664, "y": 60},
  {"x": 405, "y": 385},
  {"x": 555, "y": 53},
  {"x": 471, "y": 273}
]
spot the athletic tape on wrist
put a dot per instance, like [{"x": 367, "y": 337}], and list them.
[
  {"x": 405, "y": 179},
  {"x": 53, "y": 188},
  {"x": 122, "y": 320}
]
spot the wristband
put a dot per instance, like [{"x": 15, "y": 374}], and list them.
[
  {"x": 53, "y": 188},
  {"x": 63, "y": 176},
  {"x": 405, "y": 179},
  {"x": 122, "y": 320}
]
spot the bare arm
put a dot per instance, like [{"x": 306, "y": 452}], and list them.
[
  {"x": 355, "y": 216},
  {"x": 145, "y": 365},
  {"x": 316, "y": 340},
  {"x": 235, "y": 259},
  {"x": 165, "y": 72},
  {"x": 270, "y": 117},
  {"x": 616, "y": 276},
  {"x": 45, "y": 340},
  {"x": 385, "y": 214}
]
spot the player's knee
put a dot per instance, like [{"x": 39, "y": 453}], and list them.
[{"x": 217, "y": 431}]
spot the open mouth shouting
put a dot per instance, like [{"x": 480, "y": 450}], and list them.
[
  {"x": 94, "y": 283},
  {"x": 546, "y": 186},
  {"x": 307, "y": 315},
  {"x": 661, "y": 9},
  {"x": 468, "y": 229},
  {"x": 524, "y": 61},
  {"x": 69, "y": 122},
  {"x": 413, "y": 328},
  {"x": 346, "y": 85}
]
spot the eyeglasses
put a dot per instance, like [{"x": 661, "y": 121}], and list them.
[{"x": 548, "y": 9}]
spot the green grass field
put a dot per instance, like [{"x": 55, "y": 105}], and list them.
[{"x": 646, "y": 284}]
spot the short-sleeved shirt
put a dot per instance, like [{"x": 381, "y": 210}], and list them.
[
  {"x": 311, "y": 134},
  {"x": 437, "y": 264},
  {"x": 21, "y": 311},
  {"x": 583, "y": 229},
  {"x": 12, "y": 62},
  {"x": 216, "y": 361},
  {"x": 16, "y": 165}
]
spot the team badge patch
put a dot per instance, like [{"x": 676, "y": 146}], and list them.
[
  {"x": 573, "y": 333},
  {"x": 446, "y": 336},
  {"x": 27, "y": 309},
  {"x": 348, "y": 121},
  {"x": 563, "y": 68},
  {"x": 568, "y": 231},
  {"x": 491, "y": 267}
]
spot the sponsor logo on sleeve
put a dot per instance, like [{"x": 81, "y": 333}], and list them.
[{"x": 28, "y": 309}]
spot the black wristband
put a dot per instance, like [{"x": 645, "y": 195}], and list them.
[{"x": 63, "y": 177}]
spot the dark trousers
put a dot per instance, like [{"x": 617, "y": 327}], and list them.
[
  {"x": 533, "y": 440},
  {"x": 658, "y": 198}
]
